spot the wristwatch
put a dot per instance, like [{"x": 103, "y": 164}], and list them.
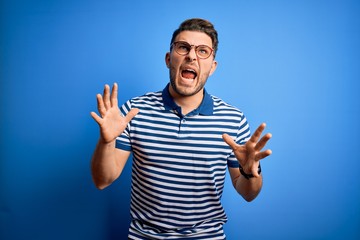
[{"x": 248, "y": 176}]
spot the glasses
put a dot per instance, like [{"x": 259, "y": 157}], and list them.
[{"x": 183, "y": 48}]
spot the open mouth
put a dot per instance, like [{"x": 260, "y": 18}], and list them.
[{"x": 188, "y": 73}]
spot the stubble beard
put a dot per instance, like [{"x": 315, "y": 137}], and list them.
[{"x": 187, "y": 92}]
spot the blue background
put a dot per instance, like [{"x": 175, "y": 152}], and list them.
[{"x": 292, "y": 64}]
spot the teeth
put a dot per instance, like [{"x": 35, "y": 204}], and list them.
[{"x": 189, "y": 70}]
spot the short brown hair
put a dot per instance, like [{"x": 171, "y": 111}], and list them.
[{"x": 199, "y": 25}]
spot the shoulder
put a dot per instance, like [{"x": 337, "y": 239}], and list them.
[
  {"x": 147, "y": 100},
  {"x": 150, "y": 98},
  {"x": 222, "y": 107}
]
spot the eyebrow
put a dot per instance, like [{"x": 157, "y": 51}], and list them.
[
  {"x": 179, "y": 40},
  {"x": 193, "y": 44}
]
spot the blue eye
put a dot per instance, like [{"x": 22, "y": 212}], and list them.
[
  {"x": 184, "y": 46},
  {"x": 204, "y": 51}
]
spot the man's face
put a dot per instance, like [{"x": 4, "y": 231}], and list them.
[{"x": 189, "y": 73}]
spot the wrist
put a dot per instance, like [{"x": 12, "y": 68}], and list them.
[
  {"x": 249, "y": 175},
  {"x": 104, "y": 143}
]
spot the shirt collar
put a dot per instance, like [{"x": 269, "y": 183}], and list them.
[{"x": 205, "y": 108}]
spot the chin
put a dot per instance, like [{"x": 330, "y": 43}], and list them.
[{"x": 186, "y": 91}]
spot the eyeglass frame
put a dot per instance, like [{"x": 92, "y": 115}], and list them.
[{"x": 191, "y": 46}]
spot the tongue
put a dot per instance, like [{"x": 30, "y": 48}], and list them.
[{"x": 188, "y": 74}]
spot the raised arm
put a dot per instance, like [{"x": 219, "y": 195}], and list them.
[
  {"x": 108, "y": 162},
  {"x": 248, "y": 182}
]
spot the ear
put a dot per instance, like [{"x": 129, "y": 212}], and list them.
[
  {"x": 213, "y": 67},
  {"x": 167, "y": 59}
]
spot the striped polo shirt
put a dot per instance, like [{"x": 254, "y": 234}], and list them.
[{"x": 179, "y": 165}]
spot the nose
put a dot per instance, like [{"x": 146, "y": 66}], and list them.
[{"x": 192, "y": 54}]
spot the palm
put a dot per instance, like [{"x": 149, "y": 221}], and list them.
[
  {"x": 251, "y": 153},
  {"x": 244, "y": 155},
  {"x": 110, "y": 121},
  {"x": 112, "y": 124}
]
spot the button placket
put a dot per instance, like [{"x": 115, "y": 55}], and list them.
[{"x": 182, "y": 125}]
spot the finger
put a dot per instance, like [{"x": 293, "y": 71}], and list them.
[
  {"x": 131, "y": 114},
  {"x": 96, "y": 117},
  {"x": 100, "y": 105},
  {"x": 256, "y": 135},
  {"x": 263, "y": 142},
  {"x": 263, "y": 154},
  {"x": 106, "y": 97},
  {"x": 229, "y": 141},
  {"x": 114, "y": 95}
]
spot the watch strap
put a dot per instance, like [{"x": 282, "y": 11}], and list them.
[{"x": 246, "y": 175}]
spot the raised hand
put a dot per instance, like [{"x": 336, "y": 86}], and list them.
[
  {"x": 251, "y": 153},
  {"x": 110, "y": 121}
]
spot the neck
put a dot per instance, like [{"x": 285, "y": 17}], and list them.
[{"x": 187, "y": 103}]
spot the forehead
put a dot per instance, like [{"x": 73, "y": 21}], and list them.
[{"x": 194, "y": 38}]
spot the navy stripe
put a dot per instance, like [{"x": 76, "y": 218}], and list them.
[{"x": 179, "y": 166}]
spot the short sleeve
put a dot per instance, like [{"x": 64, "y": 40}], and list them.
[
  {"x": 242, "y": 136},
  {"x": 123, "y": 141}
]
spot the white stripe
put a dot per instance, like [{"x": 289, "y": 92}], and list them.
[{"x": 167, "y": 156}]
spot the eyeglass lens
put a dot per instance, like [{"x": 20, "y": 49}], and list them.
[{"x": 183, "y": 48}]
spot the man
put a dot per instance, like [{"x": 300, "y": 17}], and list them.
[{"x": 183, "y": 140}]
